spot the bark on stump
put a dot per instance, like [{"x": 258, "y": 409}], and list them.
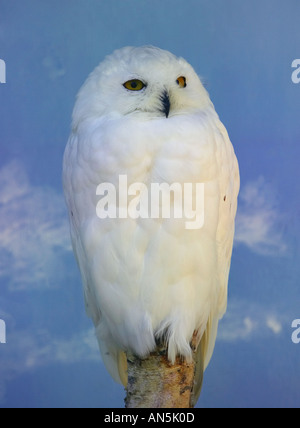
[{"x": 154, "y": 382}]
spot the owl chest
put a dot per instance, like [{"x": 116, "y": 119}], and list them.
[
  {"x": 150, "y": 155},
  {"x": 151, "y": 171}
]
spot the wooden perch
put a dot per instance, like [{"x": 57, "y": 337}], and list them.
[{"x": 154, "y": 382}]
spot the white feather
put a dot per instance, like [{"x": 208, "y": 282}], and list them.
[{"x": 149, "y": 277}]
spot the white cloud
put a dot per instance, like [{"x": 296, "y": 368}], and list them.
[
  {"x": 82, "y": 347},
  {"x": 246, "y": 320},
  {"x": 33, "y": 231},
  {"x": 258, "y": 219},
  {"x": 25, "y": 351},
  {"x": 236, "y": 329},
  {"x": 273, "y": 324},
  {"x": 34, "y": 248},
  {"x": 54, "y": 67}
]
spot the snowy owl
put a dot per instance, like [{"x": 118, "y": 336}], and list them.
[{"x": 151, "y": 182}]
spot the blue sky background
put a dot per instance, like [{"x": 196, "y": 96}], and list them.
[{"x": 243, "y": 50}]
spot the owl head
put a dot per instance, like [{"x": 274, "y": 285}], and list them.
[{"x": 147, "y": 82}]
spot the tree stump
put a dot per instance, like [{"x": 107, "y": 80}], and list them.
[{"x": 154, "y": 382}]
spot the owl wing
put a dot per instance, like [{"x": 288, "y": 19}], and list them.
[
  {"x": 229, "y": 185},
  {"x": 113, "y": 358}
]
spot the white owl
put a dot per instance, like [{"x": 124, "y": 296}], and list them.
[{"x": 143, "y": 114}]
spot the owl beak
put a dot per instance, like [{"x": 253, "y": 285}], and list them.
[{"x": 165, "y": 99}]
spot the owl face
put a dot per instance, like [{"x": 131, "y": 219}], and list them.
[{"x": 146, "y": 82}]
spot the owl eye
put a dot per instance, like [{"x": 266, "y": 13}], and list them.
[
  {"x": 134, "y": 85},
  {"x": 181, "y": 81}
]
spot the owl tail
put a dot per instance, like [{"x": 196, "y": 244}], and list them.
[
  {"x": 203, "y": 355},
  {"x": 122, "y": 368}
]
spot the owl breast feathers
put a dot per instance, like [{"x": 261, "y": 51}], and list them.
[{"x": 151, "y": 183}]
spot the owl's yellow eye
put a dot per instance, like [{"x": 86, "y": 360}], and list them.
[
  {"x": 181, "y": 81},
  {"x": 134, "y": 85}
]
